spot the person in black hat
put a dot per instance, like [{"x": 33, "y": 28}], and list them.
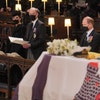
[{"x": 19, "y": 32}]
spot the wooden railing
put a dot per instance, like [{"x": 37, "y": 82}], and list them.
[{"x": 23, "y": 64}]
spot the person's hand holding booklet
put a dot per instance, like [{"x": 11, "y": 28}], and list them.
[{"x": 17, "y": 40}]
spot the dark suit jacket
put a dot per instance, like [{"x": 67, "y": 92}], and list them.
[
  {"x": 37, "y": 38},
  {"x": 95, "y": 42}
]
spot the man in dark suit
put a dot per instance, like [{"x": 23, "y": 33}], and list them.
[
  {"x": 90, "y": 37},
  {"x": 36, "y": 35}
]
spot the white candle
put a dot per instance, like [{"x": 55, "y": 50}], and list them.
[
  {"x": 58, "y": 0},
  {"x": 44, "y": 1},
  {"x": 31, "y": 2},
  {"x": 59, "y": 5},
  {"x": 6, "y": 3},
  {"x": 18, "y": 1},
  {"x": 44, "y": 7}
]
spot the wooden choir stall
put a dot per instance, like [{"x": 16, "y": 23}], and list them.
[{"x": 12, "y": 68}]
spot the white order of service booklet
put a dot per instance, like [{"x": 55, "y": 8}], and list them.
[{"x": 17, "y": 40}]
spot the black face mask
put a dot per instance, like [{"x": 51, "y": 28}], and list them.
[
  {"x": 32, "y": 17},
  {"x": 85, "y": 28},
  {"x": 15, "y": 21}
]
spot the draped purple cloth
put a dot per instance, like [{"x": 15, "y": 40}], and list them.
[
  {"x": 40, "y": 81},
  {"x": 15, "y": 97}
]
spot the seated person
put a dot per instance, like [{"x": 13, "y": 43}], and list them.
[
  {"x": 19, "y": 32},
  {"x": 90, "y": 37}
]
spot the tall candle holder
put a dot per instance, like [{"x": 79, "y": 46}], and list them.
[
  {"x": 44, "y": 2},
  {"x": 51, "y": 22},
  {"x": 31, "y": 2},
  {"x": 18, "y": 1},
  {"x": 67, "y": 24},
  {"x": 59, "y": 1},
  {"x": 6, "y": 4}
]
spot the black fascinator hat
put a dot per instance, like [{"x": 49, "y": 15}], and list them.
[{"x": 16, "y": 13}]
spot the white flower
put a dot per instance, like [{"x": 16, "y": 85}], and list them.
[{"x": 61, "y": 47}]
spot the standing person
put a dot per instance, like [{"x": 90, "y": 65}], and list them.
[
  {"x": 90, "y": 37},
  {"x": 19, "y": 32},
  {"x": 36, "y": 35}
]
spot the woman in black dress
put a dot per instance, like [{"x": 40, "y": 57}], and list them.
[{"x": 19, "y": 32}]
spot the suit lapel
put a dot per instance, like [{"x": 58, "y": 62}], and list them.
[
  {"x": 83, "y": 39},
  {"x": 33, "y": 31},
  {"x": 92, "y": 33}
]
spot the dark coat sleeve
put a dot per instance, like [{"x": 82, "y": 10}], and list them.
[{"x": 95, "y": 44}]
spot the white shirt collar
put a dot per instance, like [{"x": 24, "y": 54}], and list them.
[{"x": 34, "y": 21}]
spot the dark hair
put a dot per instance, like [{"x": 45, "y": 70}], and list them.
[{"x": 16, "y": 13}]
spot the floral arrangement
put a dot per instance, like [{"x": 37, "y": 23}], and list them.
[{"x": 62, "y": 46}]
